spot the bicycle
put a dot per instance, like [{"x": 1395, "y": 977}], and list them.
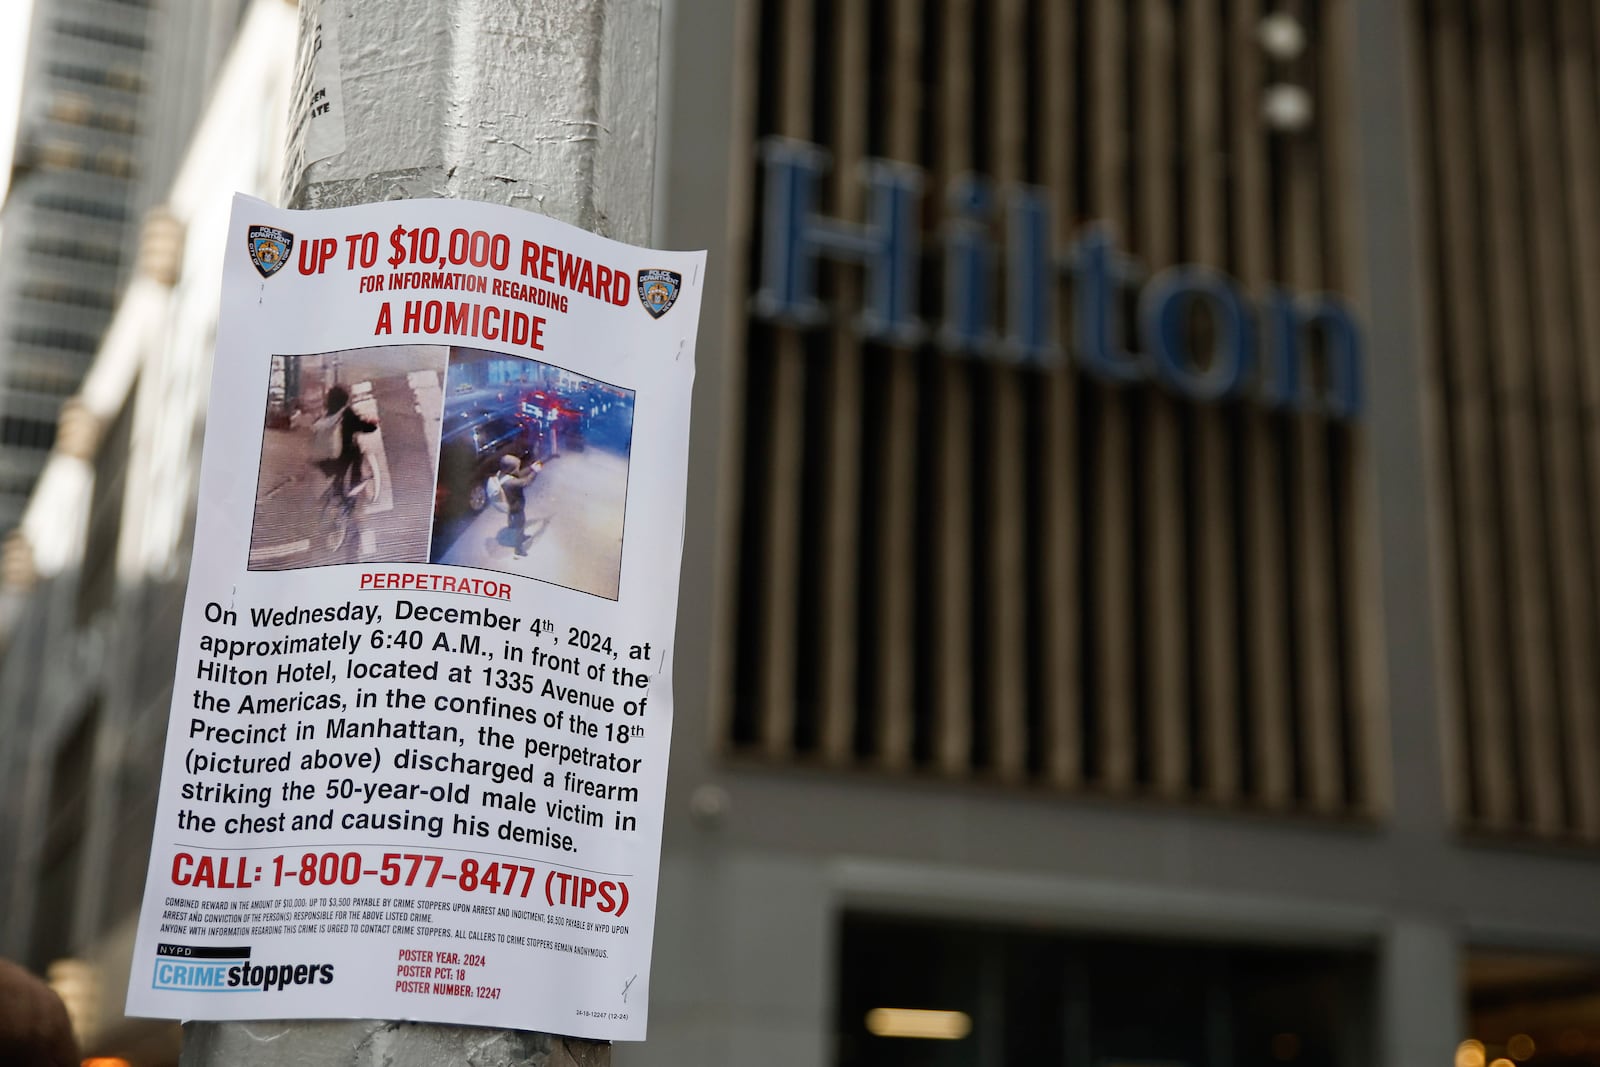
[{"x": 336, "y": 511}]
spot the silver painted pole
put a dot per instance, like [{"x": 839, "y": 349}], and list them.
[{"x": 548, "y": 105}]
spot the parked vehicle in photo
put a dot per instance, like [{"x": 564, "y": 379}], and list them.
[
  {"x": 469, "y": 452},
  {"x": 561, "y": 419}
]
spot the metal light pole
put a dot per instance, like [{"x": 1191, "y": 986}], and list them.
[{"x": 548, "y": 105}]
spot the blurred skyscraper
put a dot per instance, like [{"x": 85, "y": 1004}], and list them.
[{"x": 111, "y": 93}]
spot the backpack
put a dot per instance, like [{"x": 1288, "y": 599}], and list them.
[
  {"x": 326, "y": 442},
  {"x": 496, "y": 493}
]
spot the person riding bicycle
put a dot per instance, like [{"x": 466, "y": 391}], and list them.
[{"x": 344, "y": 470}]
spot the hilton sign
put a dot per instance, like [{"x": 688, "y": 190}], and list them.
[{"x": 1258, "y": 351}]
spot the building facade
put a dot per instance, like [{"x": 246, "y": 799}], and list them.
[
  {"x": 1139, "y": 578},
  {"x": 111, "y": 92}
]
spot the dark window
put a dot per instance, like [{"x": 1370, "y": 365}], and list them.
[
  {"x": 1025, "y": 997},
  {"x": 1530, "y": 1006},
  {"x": 27, "y": 433},
  {"x": 102, "y": 35},
  {"x": 77, "y": 205},
  {"x": 113, "y": 77},
  {"x": 51, "y": 337},
  {"x": 69, "y": 295},
  {"x": 102, "y": 255}
]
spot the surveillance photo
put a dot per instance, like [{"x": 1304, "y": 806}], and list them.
[
  {"x": 348, "y": 458},
  {"x": 533, "y": 472}
]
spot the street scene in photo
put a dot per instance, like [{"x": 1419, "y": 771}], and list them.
[
  {"x": 533, "y": 471},
  {"x": 347, "y": 458}
]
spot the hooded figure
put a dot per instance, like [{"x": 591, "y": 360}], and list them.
[
  {"x": 514, "y": 478},
  {"x": 347, "y": 466}
]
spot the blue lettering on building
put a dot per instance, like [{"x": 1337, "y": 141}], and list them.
[{"x": 1261, "y": 351}]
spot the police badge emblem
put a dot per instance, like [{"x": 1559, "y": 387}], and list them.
[
  {"x": 658, "y": 290},
  {"x": 269, "y": 248}
]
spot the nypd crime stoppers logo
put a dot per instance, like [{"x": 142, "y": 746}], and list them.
[
  {"x": 197, "y": 968},
  {"x": 269, "y": 248},
  {"x": 219, "y": 969},
  {"x": 658, "y": 290}
]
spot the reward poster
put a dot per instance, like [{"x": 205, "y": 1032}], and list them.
[{"x": 417, "y": 754}]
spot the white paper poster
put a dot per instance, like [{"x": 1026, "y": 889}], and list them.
[
  {"x": 317, "y": 129},
  {"x": 418, "y": 745}
]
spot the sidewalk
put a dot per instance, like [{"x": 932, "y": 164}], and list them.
[{"x": 574, "y": 526}]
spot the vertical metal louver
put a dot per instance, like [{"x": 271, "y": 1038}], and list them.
[
  {"x": 1506, "y": 94},
  {"x": 988, "y": 569}
]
